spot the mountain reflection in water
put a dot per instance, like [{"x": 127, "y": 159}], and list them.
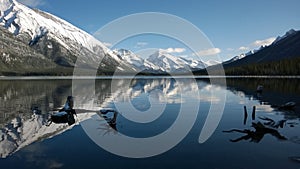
[{"x": 21, "y": 128}]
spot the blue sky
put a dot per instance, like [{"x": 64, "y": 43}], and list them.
[{"x": 232, "y": 26}]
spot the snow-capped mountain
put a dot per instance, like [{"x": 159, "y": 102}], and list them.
[
  {"x": 169, "y": 63},
  {"x": 250, "y": 54},
  {"x": 283, "y": 48},
  {"x": 212, "y": 62},
  {"x": 37, "y": 42},
  {"x": 159, "y": 62},
  {"x": 287, "y": 34},
  {"x": 33, "y": 42},
  {"x": 235, "y": 58},
  {"x": 20, "y": 19},
  {"x": 194, "y": 64},
  {"x": 53, "y": 38},
  {"x": 136, "y": 61}
]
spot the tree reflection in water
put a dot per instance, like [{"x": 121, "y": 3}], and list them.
[
  {"x": 256, "y": 135},
  {"x": 267, "y": 126}
]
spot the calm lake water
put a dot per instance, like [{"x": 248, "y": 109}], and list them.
[{"x": 26, "y": 141}]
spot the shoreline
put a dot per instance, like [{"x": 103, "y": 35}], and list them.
[{"x": 137, "y": 77}]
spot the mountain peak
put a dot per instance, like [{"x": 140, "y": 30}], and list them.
[
  {"x": 282, "y": 49},
  {"x": 164, "y": 54},
  {"x": 123, "y": 52},
  {"x": 287, "y": 34},
  {"x": 161, "y": 52},
  {"x": 290, "y": 32},
  {"x": 48, "y": 36},
  {"x": 170, "y": 63}
]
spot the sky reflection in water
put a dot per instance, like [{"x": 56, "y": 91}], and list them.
[{"x": 69, "y": 147}]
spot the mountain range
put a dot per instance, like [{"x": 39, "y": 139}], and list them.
[
  {"x": 33, "y": 42},
  {"x": 280, "y": 58},
  {"x": 285, "y": 47},
  {"x": 160, "y": 62}
]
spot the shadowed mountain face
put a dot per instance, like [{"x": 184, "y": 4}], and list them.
[
  {"x": 285, "y": 48},
  {"x": 36, "y": 42},
  {"x": 17, "y": 56},
  {"x": 282, "y": 57}
]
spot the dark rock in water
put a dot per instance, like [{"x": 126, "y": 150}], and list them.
[
  {"x": 36, "y": 110},
  {"x": 259, "y": 89},
  {"x": 62, "y": 117},
  {"x": 71, "y": 120},
  {"x": 59, "y": 117},
  {"x": 287, "y": 106},
  {"x": 66, "y": 114}
]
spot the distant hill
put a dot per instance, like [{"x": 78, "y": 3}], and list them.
[
  {"x": 287, "y": 47},
  {"x": 282, "y": 57}
]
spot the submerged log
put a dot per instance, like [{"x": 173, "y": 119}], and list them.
[
  {"x": 245, "y": 115},
  {"x": 253, "y": 113}
]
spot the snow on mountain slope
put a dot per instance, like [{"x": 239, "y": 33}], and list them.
[
  {"x": 241, "y": 56},
  {"x": 167, "y": 62},
  {"x": 212, "y": 62},
  {"x": 249, "y": 54},
  {"x": 287, "y": 34},
  {"x": 284, "y": 48},
  {"x": 159, "y": 62},
  {"x": 19, "y": 19},
  {"x": 279, "y": 38},
  {"x": 137, "y": 62},
  {"x": 32, "y": 25},
  {"x": 194, "y": 64},
  {"x": 235, "y": 58},
  {"x": 62, "y": 43}
]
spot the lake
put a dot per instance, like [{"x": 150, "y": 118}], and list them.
[{"x": 160, "y": 123}]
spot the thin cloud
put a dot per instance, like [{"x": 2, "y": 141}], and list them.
[
  {"x": 208, "y": 52},
  {"x": 32, "y": 3},
  {"x": 141, "y": 44},
  {"x": 175, "y": 50},
  {"x": 243, "y": 48},
  {"x": 257, "y": 43},
  {"x": 265, "y": 42}
]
